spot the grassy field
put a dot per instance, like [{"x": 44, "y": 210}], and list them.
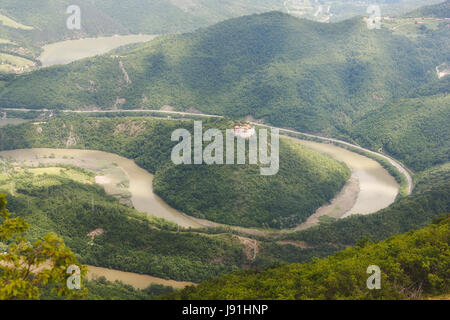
[
  {"x": 411, "y": 27},
  {"x": 13, "y": 176},
  {"x": 13, "y": 24},
  {"x": 11, "y": 63},
  {"x": 6, "y": 41}
]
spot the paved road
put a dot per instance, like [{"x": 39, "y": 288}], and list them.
[
  {"x": 397, "y": 164},
  {"x": 117, "y": 111}
]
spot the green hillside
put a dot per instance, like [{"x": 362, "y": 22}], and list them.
[
  {"x": 110, "y": 17},
  {"x": 230, "y": 194},
  {"x": 440, "y": 10},
  {"x": 130, "y": 242},
  {"x": 240, "y": 196},
  {"x": 290, "y": 72},
  {"x": 429, "y": 199},
  {"x": 66, "y": 203},
  {"x": 414, "y": 130},
  {"x": 413, "y": 266}
]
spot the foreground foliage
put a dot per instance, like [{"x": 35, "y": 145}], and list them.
[
  {"x": 295, "y": 73},
  {"x": 413, "y": 265},
  {"x": 26, "y": 268}
]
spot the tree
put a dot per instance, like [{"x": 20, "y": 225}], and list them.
[{"x": 27, "y": 270}]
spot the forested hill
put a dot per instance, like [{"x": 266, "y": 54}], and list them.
[
  {"x": 413, "y": 266},
  {"x": 415, "y": 130},
  {"x": 289, "y": 71},
  {"x": 229, "y": 194},
  {"x": 440, "y": 10},
  {"x": 314, "y": 77}
]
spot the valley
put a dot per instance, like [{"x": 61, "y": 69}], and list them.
[
  {"x": 112, "y": 132},
  {"x": 303, "y": 89},
  {"x": 111, "y": 170},
  {"x": 375, "y": 190}
]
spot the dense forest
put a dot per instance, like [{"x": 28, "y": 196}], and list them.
[
  {"x": 385, "y": 89},
  {"x": 429, "y": 199},
  {"x": 235, "y": 195},
  {"x": 70, "y": 206},
  {"x": 130, "y": 241},
  {"x": 414, "y": 265},
  {"x": 414, "y": 130},
  {"x": 440, "y": 10},
  {"x": 133, "y": 242},
  {"x": 338, "y": 78}
]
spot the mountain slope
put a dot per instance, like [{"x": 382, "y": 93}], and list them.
[
  {"x": 230, "y": 194},
  {"x": 413, "y": 265},
  {"x": 414, "y": 130},
  {"x": 440, "y": 10},
  {"x": 100, "y": 17},
  {"x": 292, "y": 72}
]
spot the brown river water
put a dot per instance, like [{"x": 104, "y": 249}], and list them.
[{"x": 371, "y": 188}]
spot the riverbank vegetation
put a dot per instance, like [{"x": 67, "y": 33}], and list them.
[
  {"x": 428, "y": 200},
  {"x": 235, "y": 195},
  {"x": 413, "y": 265},
  {"x": 129, "y": 241},
  {"x": 102, "y": 232},
  {"x": 255, "y": 66}
]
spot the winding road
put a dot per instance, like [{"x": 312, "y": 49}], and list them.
[{"x": 396, "y": 163}]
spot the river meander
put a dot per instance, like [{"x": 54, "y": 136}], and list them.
[
  {"x": 370, "y": 189},
  {"x": 373, "y": 189}
]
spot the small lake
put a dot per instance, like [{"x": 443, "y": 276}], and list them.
[{"x": 65, "y": 52}]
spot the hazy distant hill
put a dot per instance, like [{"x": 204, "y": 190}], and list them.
[
  {"x": 131, "y": 16},
  {"x": 107, "y": 17},
  {"x": 413, "y": 265},
  {"x": 441, "y": 10},
  {"x": 271, "y": 65},
  {"x": 235, "y": 195},
  {"x": 290, "y": 72}
]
